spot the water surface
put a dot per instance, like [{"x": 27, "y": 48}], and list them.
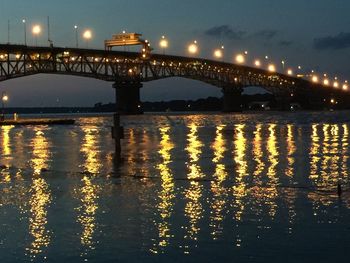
[{"x": 193, "y": 188}]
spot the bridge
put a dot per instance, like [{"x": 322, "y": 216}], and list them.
[{"x": 128, "y": 70}]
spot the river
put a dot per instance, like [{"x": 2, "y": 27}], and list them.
[{"x": 253, "y": 187}]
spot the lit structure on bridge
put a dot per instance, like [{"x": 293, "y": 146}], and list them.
[{"x": 129, "y": 39}]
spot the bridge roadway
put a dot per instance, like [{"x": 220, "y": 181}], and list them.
[{"x": 127, "y": 70}]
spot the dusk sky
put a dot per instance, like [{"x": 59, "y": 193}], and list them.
[{"x": 314, "y": 34}]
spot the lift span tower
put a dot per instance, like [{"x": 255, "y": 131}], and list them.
[{"x": 129, "y": 39}]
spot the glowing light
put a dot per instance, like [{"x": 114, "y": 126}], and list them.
[
  {"x": 345, "y": 87},
  {"x": 87, "y": 34},
  {"x": 240, "y": 59},
  {"x": 5, "y": 98},
  {"x": 36, "y": 30},
  {"x": 326, "y": 82},
  {"x": 193, "y": 48},
  {"x": 245, "y": 52},
  {"x": 299, "y": 67},
  {"x": 336, "y": 84},
  {"x": 272, "y": 68},
  {"x": 163, "y": 42},
  {"x": 314, "y": 79},
  {"x": 257, "y": 63},
  {"x": 218, "y": 53}
]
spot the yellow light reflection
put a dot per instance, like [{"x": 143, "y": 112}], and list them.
[
  {"x": 257, "y": 191},
  {"x": 167, "y": 194},
  {"x": 89, "y": 192},
  {"x": 273, "y": 154},
  {"x": 193, "y": 207},
  {"x": 144, "y": 152},
  {"x": 40, "y": 195},
  {"x": 6, "y": 143},
  {"x": 314, "y": 153},
  {"x": 345, "y": 156},
  {"x": 258, "y": 154},
  {"x": 220, "y": 194},
  {"x": 328, "y": 168},
  {"x": 239, "y": 190},
  {"x": 290, "y": 194},
  {"x": 90, "y": 151},
  {"x": 88, "y": 208},
  {"x": 291, "y": 148}
]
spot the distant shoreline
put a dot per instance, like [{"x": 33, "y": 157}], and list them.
[{"x": 210, "y": 104}]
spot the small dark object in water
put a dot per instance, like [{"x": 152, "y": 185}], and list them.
[{"x": 339, "y": 190}]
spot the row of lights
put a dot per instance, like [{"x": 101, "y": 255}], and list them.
[
  {"x": 241, "y": 59},
  {"x": 37, "y": 30},
  {"x": 194, "y": 49}
]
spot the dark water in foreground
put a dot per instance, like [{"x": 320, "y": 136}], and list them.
[{"x": 194, "y": 188}]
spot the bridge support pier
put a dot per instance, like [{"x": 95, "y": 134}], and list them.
[
  {"x": 128, "y": 96},
  {"x": 284, "y": 101},
  {"x": 232, "y": 99}
]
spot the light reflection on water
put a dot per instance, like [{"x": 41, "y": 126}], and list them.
[
  {"x": 202, "y": 185},
  {"x": 193, "y": 194},
  {"x": 88, "y": 191},
  {"x": 39, "y": 194}
]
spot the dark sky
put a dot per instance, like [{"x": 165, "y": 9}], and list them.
[{"x": 314, "y": 34}]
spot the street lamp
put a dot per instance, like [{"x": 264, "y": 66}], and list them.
[
  {"x": 76, "y": 36},
  {"x": 163, "y": 43},
  {"x": 4, "y": 99},
  {"x": 87, "y": 35},
  {"x": 36, "y": 30},
  {"x": 25, "y": 31}
]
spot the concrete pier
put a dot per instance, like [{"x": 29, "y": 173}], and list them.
[
  {"x": 127, "y": 93},
  {"x": 232, "y": 99}
]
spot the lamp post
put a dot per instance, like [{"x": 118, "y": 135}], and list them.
[
  {"x": 25, "y": 31},
  {"x": 76, "y": 36},
  {"x": 4, "y": 99}
]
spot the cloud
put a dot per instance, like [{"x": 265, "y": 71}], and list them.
[
  {"x": 340, "y": 41},
  {"x": 266, "y": 34},
  {"x": 225, "y": 31}
]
